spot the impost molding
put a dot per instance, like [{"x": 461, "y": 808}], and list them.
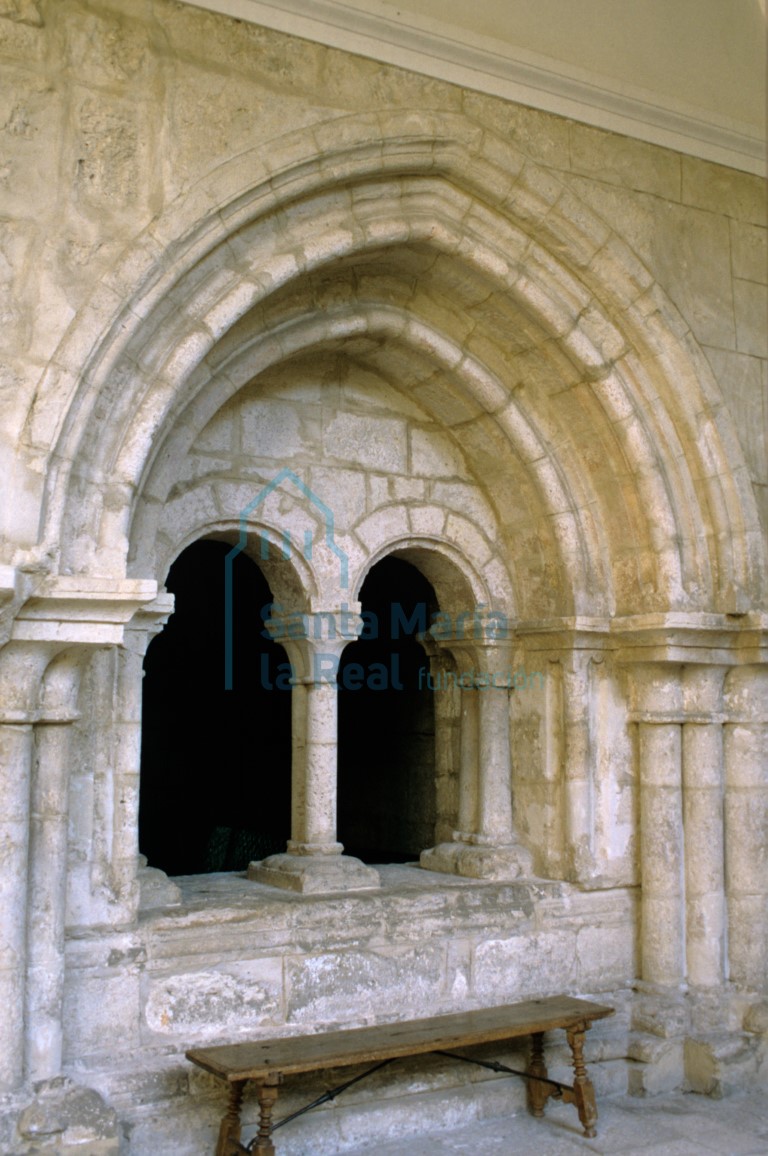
[
  {"x": 74, "y": 610},
  {"x": 675, "y": 637}
]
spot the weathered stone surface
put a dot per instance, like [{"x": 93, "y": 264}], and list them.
[
  {"x": 684, "y": 239},
  {"x": 324, "y": 988},
  {"x": 622, "y": 161},
  {"x": 719, "y": 190},
  {"x": 475, "y": 331},
  {"x": 750, "y": 302},
  {"x": 187, "y": 1004},
  {"x": 65, "y": 1116},
  {"x": 749, "y": 252}
]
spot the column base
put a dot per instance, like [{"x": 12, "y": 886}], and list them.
[
  {"x": 155, "y": 888},
  {"x": 314, "y": 874},
  {"x": 479, "y": 862}
]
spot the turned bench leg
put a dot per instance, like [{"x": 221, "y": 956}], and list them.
[
  {"x": 229, "y": 1130},
  {"x": 538, "y": 1093},
  {"x": 583, "y": 1090},
  {"x": 267, "y": 1094}
]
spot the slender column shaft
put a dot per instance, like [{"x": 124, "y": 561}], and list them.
[
  {"x": 321, "y": 762},
  {"x": 21, "y": 669},
  {"x": 315, "y": 727},
  {"x": 577, "y": 784},
  {"x": 47, "y": 902},
  {"x": 468, "y": 764},
  {"x": 15, "y": 761},
  {"x": 704, "y": 876},
  {"x": 299, "y": 829},
  {"x": 447, "y": 717},
  {"x": 313, "y": 860},
  {"x": 657, "y": 694},
  {"x": 495, "y": 780},
  {"x": 746, "y": 828},
  {"x": 125, "y": 844},
  {"x": 661, "y": 849},
  {"x": 314, "y": 719},
  {"x": 703, "y": 827}
]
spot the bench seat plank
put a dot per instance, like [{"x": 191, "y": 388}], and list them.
[{"x": 263, "y": 1059}]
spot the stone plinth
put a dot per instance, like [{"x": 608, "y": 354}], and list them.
[
  {"x": 314, "y": 874},
  {"x": 479, "y": 862}
]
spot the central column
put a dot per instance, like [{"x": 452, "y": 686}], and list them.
[
  {"x": 315, "y": 724},
  {"x": 313, "y": 861},
  {"x": 485, "y": 846}
]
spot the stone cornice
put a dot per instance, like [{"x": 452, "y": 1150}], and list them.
[
  {"x": 77, "y": 610},
  {"x": 486, "y": 64},
  {"x": 674, "y": 637}
]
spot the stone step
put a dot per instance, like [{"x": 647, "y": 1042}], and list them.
[{"x": 717, "y": 1065}]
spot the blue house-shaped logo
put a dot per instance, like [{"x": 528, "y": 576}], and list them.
[{"x": 286, "y": 548}]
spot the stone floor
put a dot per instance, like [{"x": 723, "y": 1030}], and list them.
[{"x": 673, "y": 1125}]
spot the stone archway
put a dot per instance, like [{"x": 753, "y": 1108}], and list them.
[
  {"x": 388, "y": 790},
  {"x": 552, "y": 418},
  {"x": 511, "y": 334},
  {"x": 215, "y": 760}
]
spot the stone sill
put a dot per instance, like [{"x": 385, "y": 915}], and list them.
[{"x": 228, "y": 897}]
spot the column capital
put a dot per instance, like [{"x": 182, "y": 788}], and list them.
[
  {"x": 484, "y": 659},
  {"x": 703, "y": 690},
  {"x": 655, "y": 691},
  {"x": 318, "y": 629},
  {"x": 147, "y": 622},
  {"x": 22, "y": 666}
]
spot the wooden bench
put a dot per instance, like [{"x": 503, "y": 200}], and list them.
[{"x": 267, "y": 1061}]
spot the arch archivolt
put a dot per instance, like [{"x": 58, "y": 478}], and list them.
[
  {"x": 459, "y": 583},
  {"x": 485, "y": 293}
]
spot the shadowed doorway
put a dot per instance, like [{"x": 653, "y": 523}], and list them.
[
  {"x": 387, "y": 795},
  {"x": 215, "y": 763}
]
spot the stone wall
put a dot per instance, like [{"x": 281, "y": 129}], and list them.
[{"x": 527, "y": 356}]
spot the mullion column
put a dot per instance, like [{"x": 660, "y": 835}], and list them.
[
  {"x": 315, "y": 832},
  {"x": 313, "y": 861}
]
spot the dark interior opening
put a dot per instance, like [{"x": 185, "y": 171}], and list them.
[
  {"x": 215, "y": 763},
  {"x": 387, "y": 796}
]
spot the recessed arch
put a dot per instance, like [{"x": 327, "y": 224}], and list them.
[
  {"x": 594, "y": 300},
  {"x": 457, "y": 585}
]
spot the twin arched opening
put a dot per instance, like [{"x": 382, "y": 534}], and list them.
[{"x": 216, "y": 758}]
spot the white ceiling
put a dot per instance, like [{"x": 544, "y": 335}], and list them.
[{"x": 689, "y": 74}]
